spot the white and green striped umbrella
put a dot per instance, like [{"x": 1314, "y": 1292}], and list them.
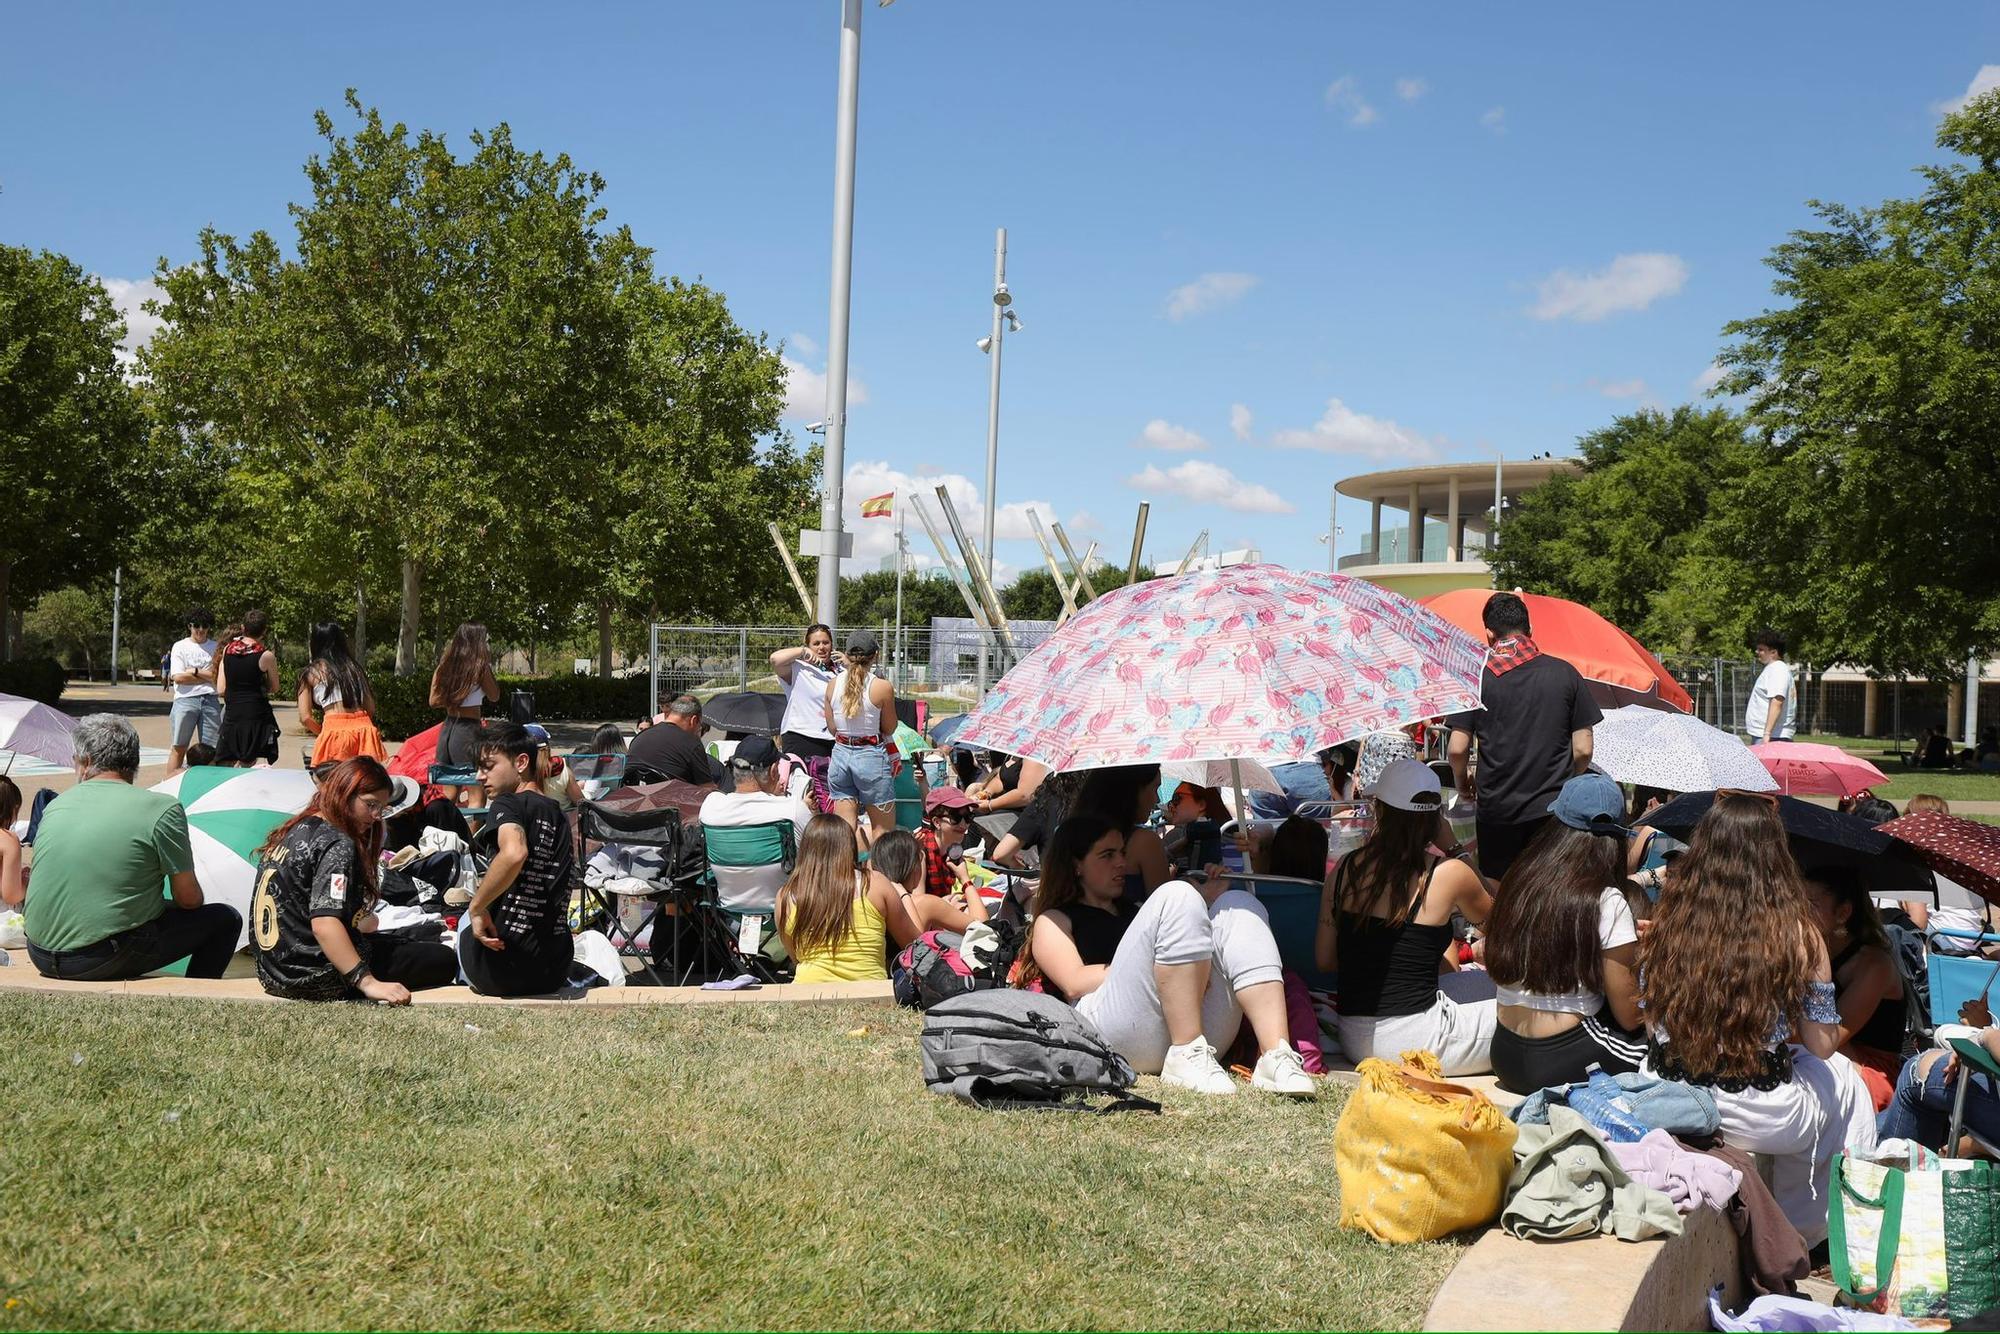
[{"x": 230, "y": 814}]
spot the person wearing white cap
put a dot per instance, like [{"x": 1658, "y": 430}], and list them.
[{"x": 1385, "y": 921}]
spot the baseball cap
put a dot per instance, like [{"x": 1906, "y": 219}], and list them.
[
  {"x": 945, "y": 795},
  {"x": 754, "y": 752},
  {"x": 1409, "y": 785},
  {"x": 537, "y": 732},
  {"x": 862, "y": 642},
  {"x": 1592, "y": 803}
]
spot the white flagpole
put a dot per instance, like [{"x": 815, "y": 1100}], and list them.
[{"x": 898, "y": 682}]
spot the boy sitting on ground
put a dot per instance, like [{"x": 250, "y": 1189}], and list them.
[{"x": 516, "y": 941}]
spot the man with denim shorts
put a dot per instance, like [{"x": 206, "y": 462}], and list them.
[{"x": 197, "y": 710}]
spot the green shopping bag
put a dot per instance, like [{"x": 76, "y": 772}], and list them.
[{"x": 1916, "y": 1238}]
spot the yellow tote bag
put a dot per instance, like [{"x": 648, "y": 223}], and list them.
[{"x": 1419, "y": 1158}]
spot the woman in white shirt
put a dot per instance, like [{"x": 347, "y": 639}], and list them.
[
  {"x": 860, "y": 713},
  {"x": 1562, "y": 946},
  {"x": 806, "y": 671}
]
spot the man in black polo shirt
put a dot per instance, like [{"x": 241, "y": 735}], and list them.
[
  {"x": 1534, "y": 734},
  {"x": 672, "y": 745}
]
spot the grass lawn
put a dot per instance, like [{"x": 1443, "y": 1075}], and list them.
[
  {"x": 211, "y": 1164},
  {"x": 1951, "y": 784}
]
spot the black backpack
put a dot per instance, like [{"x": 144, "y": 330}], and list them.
[{"x": 1003, "y": 1048}]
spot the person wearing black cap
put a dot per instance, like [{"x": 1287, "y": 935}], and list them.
[
  {"x": 1562, "y": 944},
  {"x": 757, "y": 796},
  {"x": 861, "y": 713}
]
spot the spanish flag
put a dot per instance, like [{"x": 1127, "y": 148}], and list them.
[{"x": 879, "y": 507}]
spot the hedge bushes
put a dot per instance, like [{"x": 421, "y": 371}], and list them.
[
  {"x": 33, "y": 678},
  {"x": 403, "y": 707}
]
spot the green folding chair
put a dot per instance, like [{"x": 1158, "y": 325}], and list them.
[
  {"x": 746, "y": 866},
  {"x": 1971, "y": 1056}
]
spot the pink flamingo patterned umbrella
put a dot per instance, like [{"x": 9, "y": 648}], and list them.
[{"x": 1255, "y": 662}]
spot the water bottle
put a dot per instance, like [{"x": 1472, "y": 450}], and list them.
[
  {"x": 1232, "y": 856},
  {"x": 1602, "y": 1102}
]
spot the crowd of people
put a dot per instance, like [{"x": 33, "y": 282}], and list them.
[{"x": 1724, "y": 961}]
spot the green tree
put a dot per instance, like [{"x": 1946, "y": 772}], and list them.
[
  {"x": 70, "y": 431},
  {"x": 421, "y": 393},
  {"x": 1870, "y": 526},
  {"x": 1628, "y": 534},
  {"x": 74, "y": 621}
]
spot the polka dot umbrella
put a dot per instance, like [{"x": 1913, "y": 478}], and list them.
[{"x": 1962, "y": 850}]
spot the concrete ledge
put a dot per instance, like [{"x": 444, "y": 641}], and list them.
[
  {"x": 246, "y": 989},
  {"x": 1596, "y": 1282}
]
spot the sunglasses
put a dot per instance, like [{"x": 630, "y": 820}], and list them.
[
  {"x": 952, "y": 815},
  {"x": 1768, "y": 798}
]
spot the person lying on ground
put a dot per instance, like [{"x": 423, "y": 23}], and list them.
[
  {"x": 1738, "y": 994},
  {"x": 515, "y": 939},
  {"x": 1867, "y": 988},
  {"x": 1927, "y": 1088},
  {"x": 835, "y": 920},
  {"x": 103, "y": 851},
  {"x": 1169, "y": 982},
  {"x": 898, "y": 860},
  {"x": 1562, "y": 946},
  {"x": 1385, "y": 921},
  {"x": 312, "y": 919},
  {"x": 757, "y": 796}
]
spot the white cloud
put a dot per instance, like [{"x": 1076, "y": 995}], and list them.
[
  {"x": 1163, "y": 434},
  {"x": 1410, "y": 88},
  {"x": 1240, "y": 420},
  {"x": 1342, "y": 430},
  {"x": 1985, "y": 81},
  {"x": 1209, "y": 484},
  {"x": 127, "y": 294},
  {"x": 1344, "y": 96},
  {"x": 1495, "y": 119},
  {"x": 1634, "y": 388},
  {"x": 1632, "y": 282},
  {"x": 1708, "y": 379},
  {"x": 1083, "y": 521},
  {"x": 802, "y": 344},
  {"x": 805, "y": 391},
  {"x": 1208, "y": 292}
]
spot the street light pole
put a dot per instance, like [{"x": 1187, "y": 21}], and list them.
[
  {"x": 1001, "y": 300},
  {"x": 832, "y": 465}
]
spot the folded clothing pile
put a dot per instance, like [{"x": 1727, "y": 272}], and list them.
[{"x": 634, "y": 870}]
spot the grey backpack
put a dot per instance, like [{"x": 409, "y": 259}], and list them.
[{"x": 1021, "y": 1049}]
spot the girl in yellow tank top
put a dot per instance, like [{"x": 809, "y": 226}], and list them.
[{"x": 835, "y": 925}]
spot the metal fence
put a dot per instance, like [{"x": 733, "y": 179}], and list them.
[{"x": 941, "y": 659}]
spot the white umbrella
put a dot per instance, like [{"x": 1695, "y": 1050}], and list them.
[
  {"x": 28, "y": 727},
  {"x": 230, "y": 814},
  {"x": 1218, "y": 774},
  {"x": 1674, "y": 751}
]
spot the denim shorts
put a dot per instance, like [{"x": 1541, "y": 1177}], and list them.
[
  {"x": 196, "y": 718},
  {"x": 861, "y": 774}
]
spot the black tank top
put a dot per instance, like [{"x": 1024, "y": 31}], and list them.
[
  {"x": 1388, "y": 968},
  {"x": 1096, "y": 931},
  {"x": 1884, "y": 1029}
]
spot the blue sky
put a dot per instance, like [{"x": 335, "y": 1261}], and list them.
[{"x": 1255, "y": 247}]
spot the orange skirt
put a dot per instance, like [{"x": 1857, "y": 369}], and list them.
[{"x": 346, "y": 733}]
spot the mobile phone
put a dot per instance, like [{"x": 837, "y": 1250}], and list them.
[{"x": 1204, "y": 843}]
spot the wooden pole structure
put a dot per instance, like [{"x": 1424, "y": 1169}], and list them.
[
  {"x": 1079, "y": 569},
  {"x": 798, "y": 584}
]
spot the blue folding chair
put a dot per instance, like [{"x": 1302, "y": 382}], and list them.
[{"x": 743, "y": 891}]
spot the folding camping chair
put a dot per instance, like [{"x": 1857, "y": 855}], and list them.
[
  {"x": 606, "y": 769},
  {"x": 1971, "y": 1056},
  {"x": 740, "y": 906},
  {"x": 655, "y": 828}
]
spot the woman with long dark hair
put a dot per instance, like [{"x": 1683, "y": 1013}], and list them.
[
  {"x": 461, "y": 686},
  {"x": 1738, "y": 996},
  {"x": 312, "y": 918},
  {"x": 1867, "y": 988},
  {"x": 806, "y": 671},
  {"x": 1125, "y": 796},
  {"x": 1384, "y": 924},
  {"x": 248, "y": 679},
  {"x": 1562, "y": 945},
  {"x": 1168, "y": 983},
  {"x": 336, "y": 684},
  {"x": 834, "y": 919}
]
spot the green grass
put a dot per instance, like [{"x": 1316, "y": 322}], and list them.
[
  {"x": 212, "y": 1164},
  {"x": 1904, "y": 783}
]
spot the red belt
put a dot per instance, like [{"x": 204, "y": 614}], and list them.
[{"x": 858, "y": 740}]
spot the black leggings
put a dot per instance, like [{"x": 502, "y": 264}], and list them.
[
  {"x": 529, "y": 966},
  {"x": 417, "y": 964},
  {"x": 1526, "y": 1065}
]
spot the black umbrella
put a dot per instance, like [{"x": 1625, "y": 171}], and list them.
[
  {"x": 748, "y": 712},
  {"x": 1819, "y": 836}
]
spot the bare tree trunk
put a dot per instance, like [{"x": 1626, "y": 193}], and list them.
[
  {"x": 360, "y": 624},
  {"x": 604, "y": 641},
  {"x": 6, "y": 612},
  {"x": 406, "y": 634}
]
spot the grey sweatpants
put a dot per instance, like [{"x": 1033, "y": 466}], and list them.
[{"x": 1175, "y": 926}]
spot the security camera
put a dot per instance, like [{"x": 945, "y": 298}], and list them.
[{"x": 814, "y": 428}]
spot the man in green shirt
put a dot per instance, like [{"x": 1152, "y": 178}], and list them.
[{"x": 95, "y": 910}]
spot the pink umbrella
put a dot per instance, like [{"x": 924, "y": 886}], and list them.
[
  {"x": 1255, "y": 662},
  {"x": 1808, "y": 769}
]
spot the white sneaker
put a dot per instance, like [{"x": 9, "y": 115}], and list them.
[
  {"x": 1281, "y": 1070},
  {"x": 1193, "y": 1066}
]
